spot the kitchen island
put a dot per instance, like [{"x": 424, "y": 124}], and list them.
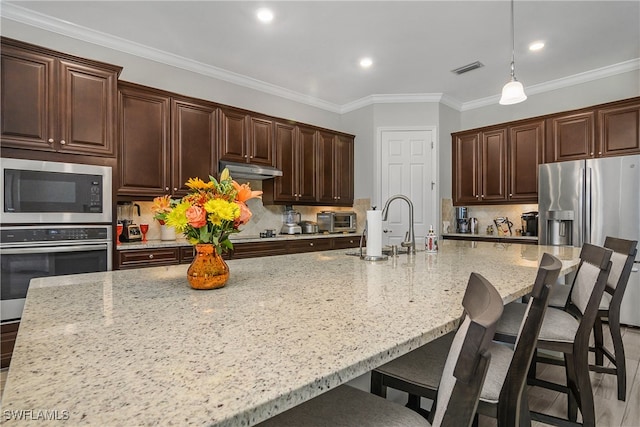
[{"x": 139, "y": 347}]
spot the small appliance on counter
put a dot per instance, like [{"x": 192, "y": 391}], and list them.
[
  {"x": 503, "y": 226},
  {"x": 290, "y": 221},
  {"x": 130, "y": 231},
  {"x": 309, "y": 227},
  {"x": 529, "y": 223},
  {"x": 462, "y": 220},
  {"x": 337, "y": 222}
]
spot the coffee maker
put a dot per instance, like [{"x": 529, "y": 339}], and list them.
[
  {"x": 529, "y": 223},
  {"x": 462, "y": 220},
  {"x": 130, "y": 231}
]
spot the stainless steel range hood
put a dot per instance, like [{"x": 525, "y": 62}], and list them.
[{"x": 249, "y": 171}]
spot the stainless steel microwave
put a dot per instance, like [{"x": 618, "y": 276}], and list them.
[{"x": 37, "y": 192}]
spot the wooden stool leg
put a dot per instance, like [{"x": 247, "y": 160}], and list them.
[
  {"x": 572, "y": 387},
  {"x": 585, "y": 392},
  {"x": 377, "y": 387},
  {"x": 618, "y": 350},
  {"x": 598, "y": 341}
]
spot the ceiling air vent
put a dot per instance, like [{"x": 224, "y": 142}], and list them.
[{"x": 468, "y": 67}]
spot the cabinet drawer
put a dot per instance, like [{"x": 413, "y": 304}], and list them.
[
  {"x": 346, "y": 242},
  {"x": 148, "y": 258},
  {"x": 258, "y": 249},
  {"x": 309, "y": 245},
  {"x": 187, "y": 254},
  {"x": 9, "y": 333}
]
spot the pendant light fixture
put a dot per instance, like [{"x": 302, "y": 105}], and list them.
[{"x": 513, "y": 91}]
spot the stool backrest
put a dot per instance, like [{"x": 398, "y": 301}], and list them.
[
  {"x": 511, "y": 393},
  {"x": 624, "y": 254},
  {"x": 468, "y": 360}
]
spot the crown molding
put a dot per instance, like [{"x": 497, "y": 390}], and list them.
[
  {"x": 576, "y": 79},
  {"x": 48, "y": 23},
  {"x": 45, "y": 22}
]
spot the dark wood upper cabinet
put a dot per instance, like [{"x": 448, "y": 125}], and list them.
[
  {"x": 164, "y": 140},
  {"x": 193, "y": 146},
  {"x": 526, "y": 145},
  {"x": 498, "y": 165},
  {"x": 493, "y": 172},
  {"x": 57, "y": 102},
  {"x": 245, "y": 138},
  {"x": 571, "y": 136},
  {"x": 344, "y": 169},
  {"x": 296, "y": 155},
  {"x": 144, "y": 132},
  {"x": 619, "y": 130},
  {"x": 466, "y": 168},
  {"x": 335, "y": 169}
]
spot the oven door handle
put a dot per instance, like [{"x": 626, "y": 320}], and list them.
[{"x": 50, "y": 249}]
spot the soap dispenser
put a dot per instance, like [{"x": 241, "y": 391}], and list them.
[{"x": 431, "y": 242}]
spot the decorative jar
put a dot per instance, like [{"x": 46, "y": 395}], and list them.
[{"x": 207, "y": 270}]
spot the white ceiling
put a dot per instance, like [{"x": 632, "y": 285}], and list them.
[{"x": 311, "y": 50}]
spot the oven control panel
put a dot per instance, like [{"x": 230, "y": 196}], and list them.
[{"x": 53, "y": 234}]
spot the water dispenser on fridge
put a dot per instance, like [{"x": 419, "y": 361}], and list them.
[{"x": 559, "y": 228}]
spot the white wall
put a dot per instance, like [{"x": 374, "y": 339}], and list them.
[
  {"x": 150, "y": 73},
  {"x": 620, "y": 86}
]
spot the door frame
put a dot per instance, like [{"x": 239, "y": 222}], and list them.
[{"x": 377, "y": 158}]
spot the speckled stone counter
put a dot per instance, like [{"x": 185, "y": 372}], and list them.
[{"x": 140, "y": 347}]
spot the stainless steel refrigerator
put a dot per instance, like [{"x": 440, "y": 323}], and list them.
[{"x": 587, "y": 200}]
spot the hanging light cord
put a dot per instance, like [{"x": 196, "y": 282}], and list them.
[{"x": 513, "y": 46}]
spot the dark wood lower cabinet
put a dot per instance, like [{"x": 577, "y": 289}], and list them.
[
  {"x": 9, "y": 332},
  {"x": 151, "y": 257}
]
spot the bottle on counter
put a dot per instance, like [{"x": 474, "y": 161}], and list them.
[{"x": 431, "y": 242}]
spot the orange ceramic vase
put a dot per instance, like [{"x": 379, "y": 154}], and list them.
[{"x": 207, "y": 270}]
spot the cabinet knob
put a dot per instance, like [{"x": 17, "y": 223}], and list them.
[
  {"x": 251, "y": 157},
  {"x": 175, "y": 188},
  {"x": 62, "y": 141},
  {"x": 338, "y": 197},
  {"x": 166, "y": 188},
  {"x": 150, "y": 256},
  {"x": 50, "y": 140},
  {"x": 591, "y": 153},
  {"x": 599, "y": 152},
  {"x": 310, "y": 244},
  {"x": 246, "y": 156},
  {"x": 510, "y": 194}
]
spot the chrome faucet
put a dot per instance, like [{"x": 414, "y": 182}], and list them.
[{"x": 409, "y": 237}]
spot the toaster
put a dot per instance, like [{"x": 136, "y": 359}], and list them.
[{"x": 336, "y": 222}]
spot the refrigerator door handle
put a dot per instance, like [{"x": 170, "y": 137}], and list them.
[{"x": 587, "y": 207}]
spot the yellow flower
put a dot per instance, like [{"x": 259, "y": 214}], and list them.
[
  {"x": 221, "y": 210},
  {"x": 177, "y": 218},
  {"x": 198, "y": 184}
]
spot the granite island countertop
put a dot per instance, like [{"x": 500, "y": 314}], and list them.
[{"x": 140, "y": 347}]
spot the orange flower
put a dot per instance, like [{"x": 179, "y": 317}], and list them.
[
  {"x": 196, "y": 216},
  {"x": 245, "y": 193},
  {"x": 245, "y": 214}
]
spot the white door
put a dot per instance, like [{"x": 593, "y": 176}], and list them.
[{"x": 407, "y": 168}]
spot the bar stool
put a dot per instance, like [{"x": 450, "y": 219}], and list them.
[
  {"x": 567, "y": 331},
  {"x": 503, "y": 394},
  {"x": 624, "y": 253},
  {"x": 462, "y": 379}
]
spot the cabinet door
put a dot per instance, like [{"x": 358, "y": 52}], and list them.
[
  {"x": 233, "y": 136},
  {"x": 619, "y": 130},
  {"x": 261, "y": 141},
  {"x": 28, "y": 110},
  {"x": 344, "y": 168},
  {"x": 283, "y": 188},
  {"x": 87, "y": 109},
  {"x": 327, "y": 169},
  {"x": 494, "y": 166},
  {"x": 306, "y": 161},
  {"x": 192, "y": 143},
  {"x": 143, "y": 157},
  {"x": 466, "y": 161},
  {"x": 525, "y": 154},
  {"x": 571, "y": 137}
]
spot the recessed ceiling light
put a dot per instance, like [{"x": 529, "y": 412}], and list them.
[
  {"x": 366, "y": 62},
  {"x": 536, "y": 46},
  {"x": 265, "y": 15}
]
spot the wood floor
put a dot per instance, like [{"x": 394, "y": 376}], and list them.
[{"x": 610, "y": 412}]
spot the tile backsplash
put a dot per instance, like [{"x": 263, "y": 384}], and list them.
[
  {"x": 267, "y": 217},
  {"x": 486, "y": 214}
]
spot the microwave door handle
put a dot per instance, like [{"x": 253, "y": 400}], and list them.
[
  {"x": 52, "y": 249},
  {"x": 11, "y": 193}
]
